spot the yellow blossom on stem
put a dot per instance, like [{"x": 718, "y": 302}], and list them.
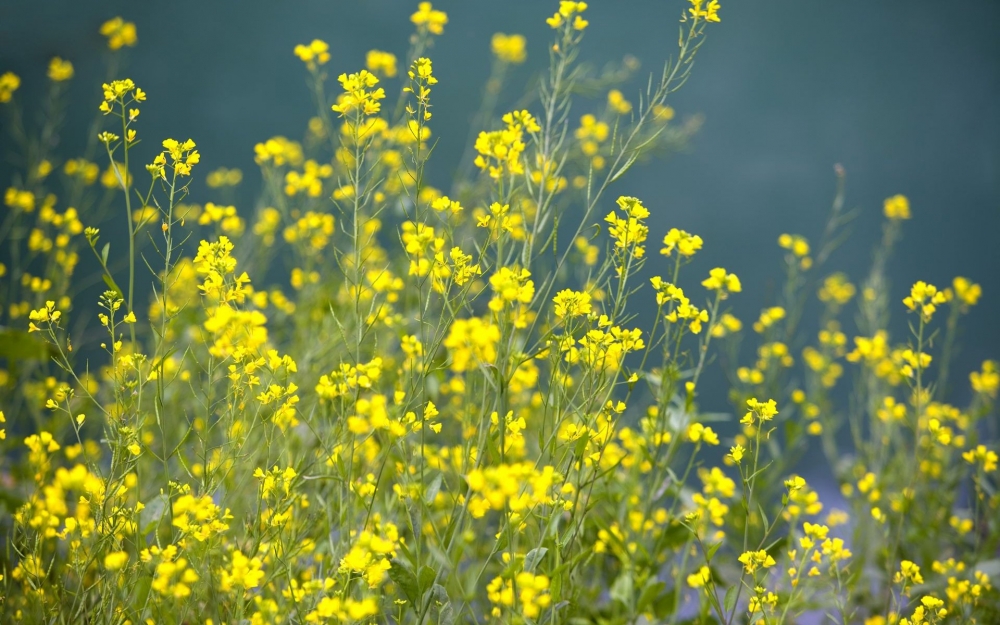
[
  {"x": 509, "y": 48},
  {"x": 924, "y": 299},
  {"x": 60, "y": 70},
  {"x": 428, "y": 19},
  {"x": 358, "y": 93},
  {"x": 316, "y": 53},
  {"x": 9, "y": 83},
  {"x": 896, "y": 208},
  {"x": 119, "y": 33},
  {"x": 379, "y": 62},
  {"x": 753, "y": 560},
  {"x": 720, "y": 280}
]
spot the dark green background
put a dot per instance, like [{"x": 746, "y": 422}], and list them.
[{"x": 904, "y": 94}]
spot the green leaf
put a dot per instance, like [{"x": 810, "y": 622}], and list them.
[
  {"x": 649, "y": 593},
  {"x": 447, "y": 615},
  {"x": 108, "y": 280},
  {"x": 665, "y": 605},
  {"x": 533, "y": 557},
  {"x": 710, "y": 552},
  {"x": 402, "y": 575},
  {"x": 149, "y": 517},
  {"x": 730, "y": 601},
  {"x": 622, "y": 590},
  {"x": 425, "y": 579},
  {"x": 20, "y": 345},
  {"x": 104, "y": 253},
  {"x": 431, "y": 493}
]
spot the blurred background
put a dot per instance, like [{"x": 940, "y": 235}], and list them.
[{"x": 905, "y": 95}]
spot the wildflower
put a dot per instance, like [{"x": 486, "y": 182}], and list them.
[
  {"x": 509, "y": 48},
  {"x": 568, "y": 9},
  {"x": 924, "y": 298},
  {"x": 243, "y": 572},
  {"x": 629, "y": 233},
  {"x": 684, "y": 242},
  {"x": 768, "y": 317},
  {"x": 223, "y": 177},
  {"x": 569, "y": 304},
  {"x": 115, "y": 560},
  {"x": 511, "y": 286},
  {"x": 700, "y": 578},
  {"x": 9, "y": 83},
  {"x": 119, "y": 33},
  {"x": 697, "y": 432},
  {"x": 762, "y": 601},
  {"x": 725, "y": 283},
  {"x": 122, "y": 92},
  {"x": 963, "y": 291},
  {"x": 316, "y": 53},
  {"x": 499, "y": 151},
  {"x": 726, "y": 325},
  {"x": 753, "y": 560},
  {"x": 379, "y": 62},
  {"x": 987, "y": 380},
  {"x": 980, "y": 455},
  {"x": 710, "y": 12},
  {"x": 909, "y": 573},
  {"x": 795, "y": 483},
  {"x": 759, "y": 411},
  {"x": 358, "y": 94},
  {"x": 736, "y": 453},
  {"x": 836, "y": 289},
  {"x": 48, "y": 314},
  {"x": 618, "y": 103},
  {"x": 428, "y": 19},
  {"x": 896, "y": 208},
  {"x": 470, "y": 343},
  {"x": 60, "y": 70}
]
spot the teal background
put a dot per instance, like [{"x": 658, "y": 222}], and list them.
[{"x": 904, "y": 94}]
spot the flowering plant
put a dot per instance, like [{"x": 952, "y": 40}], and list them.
[{"x": 370, "y": 400}]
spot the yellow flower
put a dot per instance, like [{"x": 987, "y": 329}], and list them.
[
  {"x": 710, "y": 12},
  {"x": 924, "y": 299},
  {"x": 429, "y": 20},
  {"x": 719, "y": 280},
  {"x": 981, "y": 455},
  {"x": 700, "y": 578},
  {"x": 115, "y": 560},
  {"x": 759, "y": 411},
  {"x": 60, "y": 70},
  {"x": 736, "y": 453},
  {"x": 836, "y": 289},
  {"x": 965, "y": 291},
  {"x": 379, "y": 62},
  {"x": 896, "y": 208},
  {"x": 569, "y": 304},
  {"x": 509, "y": 48},
  {"x": 685, "y": 243},
  {"x": 753, "y": 560},
  {"x": 511, "y": 286},
  {"x": 986, "y": 381},
  {"x": 618, "y": 103},
  {"x": 358, "y": 93},
  {"x": 316, "y": 53},
  {"x": 243, "y": 572},
  {"x": 697, "y": 432},
  {"x": 9, "y": 83},
  {"x": 119, "y": 33}
]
